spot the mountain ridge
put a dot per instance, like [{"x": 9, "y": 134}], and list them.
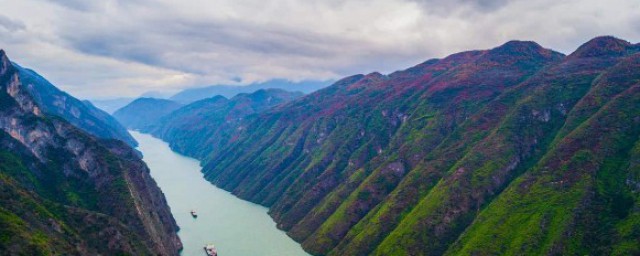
[
  {"x": 81, "y": 114},
  {"x": 229, "y": 91},
  {"x": 186, "y": 129},
  {"x": 423, "y": 160},
  {"x": 66, "y": 192},
  {"x": 144, "y": 111}
]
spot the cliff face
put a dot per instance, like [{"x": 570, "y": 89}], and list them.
[
  {"x": 512, "y": 150},
  {"x": 83, "y": 115},
  {"x": 67, "y": 192},
  {"x": 197, "y": 128}
]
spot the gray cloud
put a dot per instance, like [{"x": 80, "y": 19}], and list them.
[
  {"x": 10, "y": 25},
  {"x": 444, "y": 7},
  {"x": 122, "y": 48},
  {"x": 79, "y": 5},
  {"x": 214, "y": 37}
]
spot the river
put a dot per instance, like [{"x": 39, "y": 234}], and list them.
[{"x": 235, "y": 226}]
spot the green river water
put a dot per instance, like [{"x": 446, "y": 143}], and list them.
[{"x": 235, "y": 226}]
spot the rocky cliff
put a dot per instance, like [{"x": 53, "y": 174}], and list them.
[
  {"x": 66, "y": 192},
  {"x": 81, "y": 114}
]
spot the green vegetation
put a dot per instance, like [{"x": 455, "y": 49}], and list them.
[
  {"x": 514, "y": 150},
  {"x": 188, "y": 128},
  {"x": 65, "y": 192}
]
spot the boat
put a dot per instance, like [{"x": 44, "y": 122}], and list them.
[
  {"x": 194, "y": 214},
  {"x": 211, "y": 250}
]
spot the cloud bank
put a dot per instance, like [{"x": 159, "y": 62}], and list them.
[{"x": 113, "y": 48}]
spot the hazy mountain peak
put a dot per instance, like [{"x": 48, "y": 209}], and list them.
[
  {"x": 516, "y": 48},
  {"x": 276, "y": 91},
  {"x": 368, "y": 80},
  {"x": 375, "y": 76},
  {"x": 218, "y": 97},
  {"x": 604, "y": 46},
  {"x": 144, "y": 111},
  {"x": 520, "y": 45},
  {"x": 191, "y": 95},
  {"x": 151, "y": 99}
]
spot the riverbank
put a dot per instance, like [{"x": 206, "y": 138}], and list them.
[{"x": 235, "y": 226}]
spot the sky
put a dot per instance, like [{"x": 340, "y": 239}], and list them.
[{"x": 123, "y": 48}]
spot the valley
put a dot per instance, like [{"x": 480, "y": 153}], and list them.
[
  {"x": 234, "y": 226},
  {"x": 325, "y": 128},
  {"x": 515, "y": 142}
]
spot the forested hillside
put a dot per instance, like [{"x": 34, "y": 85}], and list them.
[
  {"x": 517, "y": 149},
  {"x": 199, "y": 127}
]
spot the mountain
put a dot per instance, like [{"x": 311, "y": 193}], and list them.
[
  {"x": 144, "y": 111},
  {"x": 513, "y": 150},
  {"x": 81, "y": 114},
  {"x": 229, "y": 91},
  {"x": 64, "y": 191},
  {"x": 156, "y": 94},
  {"x": 111, "y": 105},
  {"x": 202, "y": 125}
]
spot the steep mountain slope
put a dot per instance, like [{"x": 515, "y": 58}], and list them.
[
  {"x": 81, "y": 114},
  {"x": 434, "y": 159},
  {"x": 229, "y": 91},
  {"x": 522, "y": 138},
  {"x": 65, "y": 192},
  {"x": 581, "y": 197},
  {"x": 144, "y": 111},
  {"x": 199, "y": 127}
]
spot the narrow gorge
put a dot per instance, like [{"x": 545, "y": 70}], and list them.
[{"x": 517, "y": 142}]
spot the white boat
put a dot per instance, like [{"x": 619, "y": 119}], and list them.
[
  {"x": 211, "y": 250},
  {"x": 194, "y": 214}
]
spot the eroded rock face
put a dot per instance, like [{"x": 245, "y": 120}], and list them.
[
  {"x": 104, "y": 200},
  {"x": 54, "y": 102}
]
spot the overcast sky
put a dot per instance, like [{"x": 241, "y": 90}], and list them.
[{"x": 111, "y": 48}]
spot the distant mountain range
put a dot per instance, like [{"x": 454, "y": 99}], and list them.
[
  {"x": 189, "y": 129},
  {"x": 68, "y": 184},
  {"x": 229, "y": 91},
  {"x": 144, "y": 111},
  {"x": 516, "y": 150}
]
